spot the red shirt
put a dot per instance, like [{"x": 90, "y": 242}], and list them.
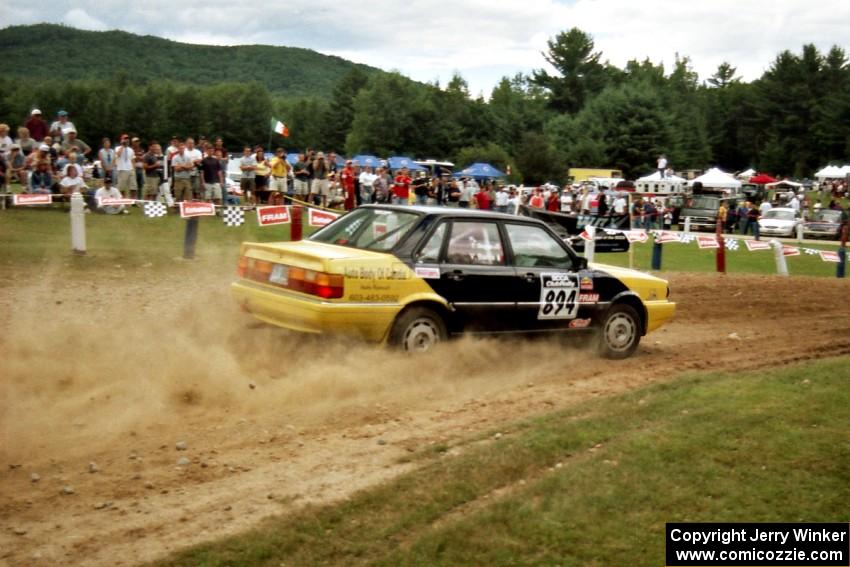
[
  {"x": 483, "y": 200},
  {"x": 401, "y": 187},
  {"x": 554, "y": 203},
  {"x": 536, "y": 201},
  {"x": 37, "y": 127},
  {"x": 347, "y": 179}
]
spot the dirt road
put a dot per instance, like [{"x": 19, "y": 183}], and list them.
[{"x": 146, "y": 414}]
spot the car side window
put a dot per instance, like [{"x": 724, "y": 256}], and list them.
[
  {"x": 534, "y": 247},
  {"x": 475, "y": 243},
  {"x": 430, "y": 253}
]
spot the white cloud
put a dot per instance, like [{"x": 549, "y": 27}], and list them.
[
  {"x": 482, "y": 39},
  {"x": 79, "y": 18}
]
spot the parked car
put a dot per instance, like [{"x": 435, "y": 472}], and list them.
[
  {"x": 780, "y": 221},
  {"x": 825, "y": 223},
  {"x": 413, "y": 276}
]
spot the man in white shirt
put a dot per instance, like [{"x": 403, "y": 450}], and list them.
[
  {"x": 566, "y": 201},
  {"x": 125, "y": 167},
  {"x": 195, "y": 156},
  {"x": 502, "y": 200},
  {"x": 73, "y": 180},
  {"x": 61, "y": 126},
  {"x": 513, "y": 201},
  {"x": 794, "y": 203},
  {"x": 662, "y": 165},
  {"x": 109, "y": 192},
  {"x": 764, "y": 207},
  {"x": 367, "y": 181}
]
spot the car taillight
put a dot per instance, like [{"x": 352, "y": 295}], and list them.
[{"x": 321, "y": 284}]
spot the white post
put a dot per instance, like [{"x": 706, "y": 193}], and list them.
[
  {"x": 687, "y": 224},
  {"x": 78, "y": 224},
  {"x": 800, "y": 231},
  {"x": 590, "y": 245},
  {"x": 781, "y": 264}
]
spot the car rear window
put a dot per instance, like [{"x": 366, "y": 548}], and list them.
[{"x": 368, "y": 229}]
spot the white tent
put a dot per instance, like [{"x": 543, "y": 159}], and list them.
[
  {"x": 831, "y": 172},
  {"x": 657, "y": 177},
  {"x": 784, "y": 183},
  {"x": 717, "y": 179},
  {"x": 747, "y": 174}
]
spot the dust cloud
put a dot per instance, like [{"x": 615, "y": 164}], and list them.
[{"x": 83, "y": 378}]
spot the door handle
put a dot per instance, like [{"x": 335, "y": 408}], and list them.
[
  {"x": 455, "y": 275},
  {"x": 530, "y": 278}
]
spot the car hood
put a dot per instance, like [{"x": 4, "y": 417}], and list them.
[
  {"x": 648, "y": 287},
  {"x": 777, "y": 222}
]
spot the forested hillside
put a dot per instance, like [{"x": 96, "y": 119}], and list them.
[
  {"x": 48, "y": 51},
  {"x": 586, "y": 113}
]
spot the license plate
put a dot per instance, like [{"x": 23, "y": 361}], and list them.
[{"x": 279, "y": 275}]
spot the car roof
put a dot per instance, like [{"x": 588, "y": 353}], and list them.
[
  {"x": 450, "y": 212},
  {"x": 788, "y": 209}
]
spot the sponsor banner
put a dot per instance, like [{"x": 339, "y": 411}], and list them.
[
  {"x": 321, "y": 218},
  {"x": 114, "y": 202},
  {"x": 588, "y": 298},
  {"x": 828, "y": 256},
  {"x": 585, "y": 236},
  {"x": 428, "y": 273},
  {"x": 269, "y": 216},
  {"x": 707, "y": 242},
  {"x": 753, "y": 245},
  {"x": 32, "y": 199},
  {"x": 189, "y": 209},
  {"x": 664, "y": 236},
  {"x": 790, "y": 251},
  {"x": 636, "y": 236}
]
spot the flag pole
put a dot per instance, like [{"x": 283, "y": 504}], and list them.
[{"x": 271, "y": 129}]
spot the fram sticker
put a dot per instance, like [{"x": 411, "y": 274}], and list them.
[
  {"x": 588, "y": 297},
  {"x": 321, "y": 218},
  {"x": 32, "y": 199},
  {"x": 757, "y": 245},
  {"x": 579, "y": 323},
  {"x": 428, "y": 273},
  {"x": 268, "y": 216}
]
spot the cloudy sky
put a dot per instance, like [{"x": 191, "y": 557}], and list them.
[{"x": 482, "y": 39}]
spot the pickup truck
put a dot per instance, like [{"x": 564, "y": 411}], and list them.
[{"x": 703, "y": 211}]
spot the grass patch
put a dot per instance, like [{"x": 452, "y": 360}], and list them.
[{"x": 768, "y": 446}]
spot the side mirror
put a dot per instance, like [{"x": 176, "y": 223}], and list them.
[{"x": 581, "y": 263}]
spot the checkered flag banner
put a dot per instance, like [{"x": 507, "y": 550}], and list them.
[
  {"x": 687, "y": 238},
  {"x": 233, "y": 216},
  {"x": 811, "y": 251},
  {"x": 731, "y": 244},
  {"x": 155, "y": 209}
]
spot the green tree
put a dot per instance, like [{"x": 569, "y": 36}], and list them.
[
  {"x": 580, "y": 74},
  {"x": 336, "y": 122}
]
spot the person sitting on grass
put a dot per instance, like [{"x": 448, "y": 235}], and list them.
[
  {"x": 109, "y": 192},
  {"x": 41, "y": 181},
  {"x": 72, "y": 182},
  {"x": 17, "y": 164}
]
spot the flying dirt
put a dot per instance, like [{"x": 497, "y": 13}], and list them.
[{"x": 143, "y": 414}]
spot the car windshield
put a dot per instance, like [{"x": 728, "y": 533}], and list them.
[
  {"x": 779, "y": 215},
  {"x": 703, "y": 203},
  {"x": 368, "y": 229},
  {"x": 828, "y": 216}
]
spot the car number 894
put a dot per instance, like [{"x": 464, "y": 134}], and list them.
[{"x": 558, "y": 297}]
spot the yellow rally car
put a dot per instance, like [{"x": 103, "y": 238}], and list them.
[{"x": 413, "y": 276}]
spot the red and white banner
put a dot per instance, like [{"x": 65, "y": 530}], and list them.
[
  {"x": 585, "y": 236},
  {"x": 828, "y": 256},
  {"x": 321, "y": 218},
  {"x": 114, "y": 202},
  {"x": 33, "y": 199},
  {"x": 790, "y": 251},
  {"x": 664, "y": 236},
  {"x": 707, "y": 242},
  {"x": 636, "y": 236},
  {"x": 189, "y": 209},
  {"x": 269, "y": 216},
  {"x": 753, "y": 245}
]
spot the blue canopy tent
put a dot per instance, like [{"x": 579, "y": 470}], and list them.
[
  {"x": 366, "y": 160},
  {"x": 397, "y": 162},
  {"x": 292, "y": 158},
  {"x": 479, "y": 171}
]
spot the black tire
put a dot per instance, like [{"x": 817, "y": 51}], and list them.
[
  {"x": 619, "y": 333},
  {"x": 418, "y": 329}
]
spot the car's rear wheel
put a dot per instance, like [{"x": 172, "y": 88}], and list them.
[
  {"x": 418, "y": 329},
  {"x": 619, "y": 334}
]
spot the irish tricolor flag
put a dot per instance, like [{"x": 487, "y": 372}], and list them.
[{"x": 280, "y": 127}]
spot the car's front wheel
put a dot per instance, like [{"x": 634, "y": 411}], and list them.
[
  {"x": 619, "y": 334},
  {"x": 418, "y": 329}
]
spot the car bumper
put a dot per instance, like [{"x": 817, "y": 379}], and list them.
[
  {"x": 658, "y": 313},
  {"x": 305, "y": 314},
  {"x": 776, "y": 232}
]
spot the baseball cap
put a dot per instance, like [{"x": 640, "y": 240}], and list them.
[
  {"x": 15, "y": 147},
  {"x": 35, "y": 111},
  {"x": 44, "y": 148},
  {"x": 62, "y": 113},
  {"x": 135, "y": 139}
]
